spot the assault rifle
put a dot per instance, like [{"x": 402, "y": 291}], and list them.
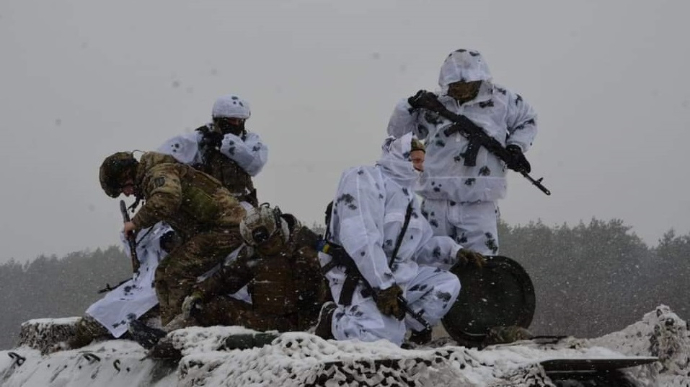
[
  {"x": 339, "y": 257},
  {"x": 474, "y": 133},
  {"x": 131, "y": 238}
]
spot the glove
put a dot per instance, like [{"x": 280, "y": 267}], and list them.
[
  {"x": 517, "y": 161},
  {"x": 388, "y": 303},
  {"x": 469, "y": 257},
  {"x": 213, "y": 139},
  {"x": 169, "y": 241},
  {"x": 190, "y": 304},
  {"x": 425, "y": 100}
]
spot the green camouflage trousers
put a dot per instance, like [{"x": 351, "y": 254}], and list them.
[
  {"x": 224, "y": 310},
  {"x": 87, "y": 330},
  {"x": 178, "y": 272}
]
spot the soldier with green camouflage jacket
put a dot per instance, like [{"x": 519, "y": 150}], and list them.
[
  {"x": 201, "y": 211},
  {"x": 281, "y": 269}
]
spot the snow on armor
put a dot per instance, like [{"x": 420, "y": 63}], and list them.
[
  {"x": 259, "y": 225},
  {"x": 231, "y": 106}
]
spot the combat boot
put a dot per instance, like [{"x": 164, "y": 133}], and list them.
[
  {"x": 146, "y": 336},
  {"x": 323, "y": 325},
  {"x": 420, "y": 337},
  {"x": 504, "y": 335}
]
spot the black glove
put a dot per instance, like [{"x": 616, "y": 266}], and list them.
[
  {"x": 212, "y": 139},
  {"x": 425, "y": 100},
  {"x": 169, "y": 241},
  {"x": 388, "y": 303},
  {"x": 517, "y": 161},
  {"x": 468, "y": 257}
]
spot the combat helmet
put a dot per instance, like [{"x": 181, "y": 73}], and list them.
[
  {"x": 114, "y": 170},
  {"x": 231, "y": 106},
  {"x": 261, "y": 224}
]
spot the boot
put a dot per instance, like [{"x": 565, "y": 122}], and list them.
[
  {"x": 323, "y": 325},
  {"x": 504, "y": 335},
  {"x": 420, "y": 337},
  {"x": 146, "y": 336}
]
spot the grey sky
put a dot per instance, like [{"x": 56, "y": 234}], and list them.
[{"x": 81, "y": 79}]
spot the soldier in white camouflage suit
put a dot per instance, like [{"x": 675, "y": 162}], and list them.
[
  {"x": 367, "y": 219},
  {"x": 460, "y": 187}
]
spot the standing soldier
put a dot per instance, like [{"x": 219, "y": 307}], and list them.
[
  {"x": 463, "y": 181},
  {"x": 224, "y": 148},
  {"x": 202, "y": 212}
]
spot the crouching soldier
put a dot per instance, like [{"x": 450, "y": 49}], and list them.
[
  {"x": 204, "y": 215},
  {"x": 279, "y": 266},
  {"x": 391, "y": 276}
]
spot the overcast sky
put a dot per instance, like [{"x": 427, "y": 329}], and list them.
[{"x": 81, "y": 79}]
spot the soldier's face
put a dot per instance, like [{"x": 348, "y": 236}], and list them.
[
  {"x": 417, "y": 158},
  {"x": 128, "y": 188},
  {"x": 464, "y": 91},
  {"x": 229, "y": 125}
]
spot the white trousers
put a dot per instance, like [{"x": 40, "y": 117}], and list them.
[
  {"x": 472, "y": 225},
  {"x": 433, "y": 291}
]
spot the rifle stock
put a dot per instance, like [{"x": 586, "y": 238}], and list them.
[{"x": 131, "y": 238}]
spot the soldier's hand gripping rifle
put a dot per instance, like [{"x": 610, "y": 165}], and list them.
[
  {"x": 474, "y": 133},
  {"x": 131, "y": 238}
]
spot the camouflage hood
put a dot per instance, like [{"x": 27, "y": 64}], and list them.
[
  {"x": 466, "y": 66},
  {"x": 395, "y": 160}
]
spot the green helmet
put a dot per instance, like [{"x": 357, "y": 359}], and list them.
[
  {"x": 418, "y": 145},
  {"x": 114, "y": 170}
]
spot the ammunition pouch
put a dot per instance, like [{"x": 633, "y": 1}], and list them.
[
  {"x": 227, "y": 171},
  {"x": 273, "y": 287}
]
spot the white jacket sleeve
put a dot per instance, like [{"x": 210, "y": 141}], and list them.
[
  {"x": 405, "y": 120},
  {"x": 439, "y": 251},
  {"x": 521, "y": 121},
  {"x": 250, "y": 154},
  {"x": 358, "y": 225},
  {"x": 184, "y": 148}
]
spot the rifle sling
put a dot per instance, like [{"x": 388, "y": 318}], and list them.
[{"x": 339, "y": 257}]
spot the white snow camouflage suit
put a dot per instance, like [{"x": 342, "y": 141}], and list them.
[
  {"x": 367, "y": 217},
  {"x": 460, "y": 201}
]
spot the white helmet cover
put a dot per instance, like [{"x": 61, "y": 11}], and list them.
[
  {"x": 259, "y": 225},
  {"x": 231, "y": 106}
]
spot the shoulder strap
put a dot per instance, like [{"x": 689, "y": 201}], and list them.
[{"x": 398, "y": 242}]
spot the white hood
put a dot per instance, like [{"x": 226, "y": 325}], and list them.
[{"x": 395, "y": 160}]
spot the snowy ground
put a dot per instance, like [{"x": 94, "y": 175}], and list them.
[{"x": 296, "y": 359}]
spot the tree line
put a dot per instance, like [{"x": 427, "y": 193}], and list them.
[{"x": 590, "y": 279}]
